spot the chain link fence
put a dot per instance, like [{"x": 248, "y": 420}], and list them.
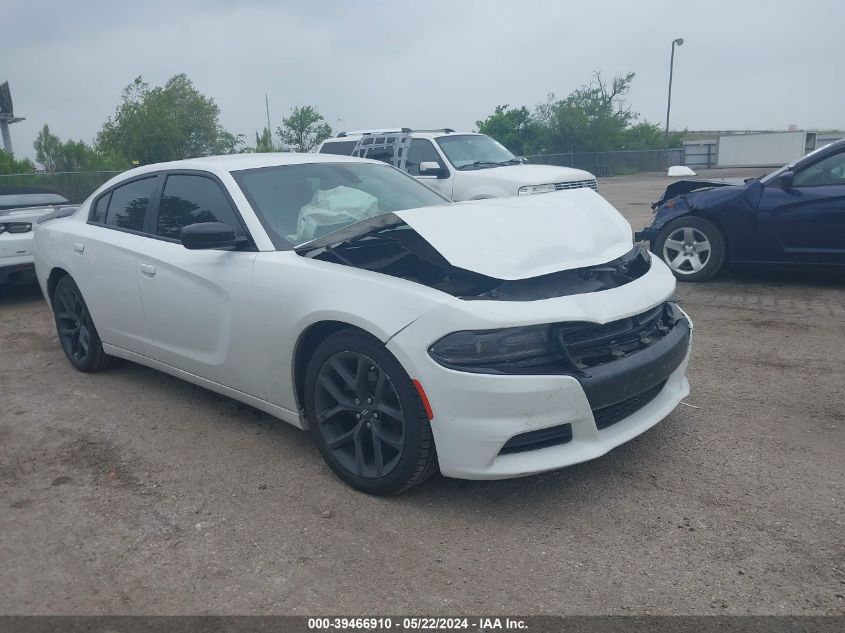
[
  {"x": 73, "y": 185},
  {"x": 614, "y": 163},
  {"x": 76, "y": 186}
]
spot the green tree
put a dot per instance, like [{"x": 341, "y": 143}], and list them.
[
  {"x": 169, "y": 122},
  {"x": 515, "y": 128},
  {"x": 592, "y": 118},
  {"x": 59, "y": 156},
  {"x": 10, "y": 165},
  {"x": 643, "y": 135},
  {"x": 264, "y": 141},
  {"x": 305, "y": 128}
]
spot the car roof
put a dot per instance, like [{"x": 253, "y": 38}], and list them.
[{"x": 237, "y": 162}]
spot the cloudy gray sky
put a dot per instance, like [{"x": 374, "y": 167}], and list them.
[{"x": 744, "y": 64}]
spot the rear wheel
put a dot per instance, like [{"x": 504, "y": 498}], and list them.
[
  {"x": 366, "y": 416},
  {"x": 77, "y": 334},
  {"x": 692, "y": 247}
]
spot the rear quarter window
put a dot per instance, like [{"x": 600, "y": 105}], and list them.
[{"x": 100, "y": 208}]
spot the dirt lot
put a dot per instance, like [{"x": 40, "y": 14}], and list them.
[{"x": 133, "y": 492}]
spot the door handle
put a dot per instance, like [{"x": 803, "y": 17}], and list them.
[
  {"x": 79, "y": 247},
  {"x": 148, "y": 269}
]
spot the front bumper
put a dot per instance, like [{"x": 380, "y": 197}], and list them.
[
  {"x": 646, "y": 235},
  {"x": 475, "y": 415}
]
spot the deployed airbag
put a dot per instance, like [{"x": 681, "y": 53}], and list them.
[{"x": 333, "y": 209}]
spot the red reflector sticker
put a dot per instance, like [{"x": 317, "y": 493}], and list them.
[{"x": 426, "y": 404}]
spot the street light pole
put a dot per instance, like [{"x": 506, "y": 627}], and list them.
[{"x": 679, "y": 41}]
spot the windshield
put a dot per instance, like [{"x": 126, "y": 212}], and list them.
[
  {"x": 298, "y": 203},
  {"x": 475, "y": 151}
]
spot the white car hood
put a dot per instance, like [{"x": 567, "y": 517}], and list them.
[
  {"x": 519, "y": 238},
  {"x": 520, "y": 175}
]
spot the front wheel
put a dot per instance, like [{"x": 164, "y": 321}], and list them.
[
  {"x": 692, "y": 247},
  {"x": 366, "y": 416}
]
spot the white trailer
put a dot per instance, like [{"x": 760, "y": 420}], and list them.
[{"x": 764, "y": 149}]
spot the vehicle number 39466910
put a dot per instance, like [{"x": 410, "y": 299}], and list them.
[{"x": 405, "y": 624}]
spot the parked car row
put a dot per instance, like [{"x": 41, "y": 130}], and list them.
[{"x": 405, "y": 331}]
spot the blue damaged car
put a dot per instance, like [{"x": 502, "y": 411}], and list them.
[{"x": 792, "y": 218}]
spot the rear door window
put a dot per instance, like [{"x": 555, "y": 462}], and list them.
[
  {"x": 191, "y": 200},
  {"x": 129, "y": 203}
]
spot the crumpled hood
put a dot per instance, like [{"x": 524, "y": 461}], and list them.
[
  {"x": 520, "y": 175},
  {"x": 681, "y": 187},
  {"x": 519, "y": 238}
]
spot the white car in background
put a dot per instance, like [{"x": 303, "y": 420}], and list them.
[
  {"x": 493, "y": 339},
  {"x": 461, "y": 166},
  {"x": 20, "y": 208}
]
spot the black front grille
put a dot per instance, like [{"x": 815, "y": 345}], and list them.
[
  {"x": 608, "y": 416},
  {"x": 541, "y": 438},
  {"x": 592, "y": 344}
]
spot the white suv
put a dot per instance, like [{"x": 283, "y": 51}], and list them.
[{"x": 461, "y": 166}]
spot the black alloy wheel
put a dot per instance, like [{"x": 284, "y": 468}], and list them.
[
  {"x": 359, "y": 414},
  {"x": 366, "y": 415},
  {"x": 77, "y": 333}
]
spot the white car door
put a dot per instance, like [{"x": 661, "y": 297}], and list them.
[
  {"x": 197, "y": 301},
  {"x": 105, "y": 263}
]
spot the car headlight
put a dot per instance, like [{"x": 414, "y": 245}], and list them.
[
  {"x": 15, "y": 227},
  {"x": 497, "y": 350},
  {"x": 528, "y": 190}
]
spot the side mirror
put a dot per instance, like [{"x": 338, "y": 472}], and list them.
[
  {"x": 785, "y": 179},
  {"x": 206, "y": 235},
  {"x": 522, "y": 160},
  {"x": 431, "y": 168}
]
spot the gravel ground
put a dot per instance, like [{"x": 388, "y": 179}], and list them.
[{"x": 133, "y": 492}]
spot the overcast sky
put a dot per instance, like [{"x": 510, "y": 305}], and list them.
[{"x": 426, "y": 63}]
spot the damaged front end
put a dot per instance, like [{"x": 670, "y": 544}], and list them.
[
  {"x": 690, "y": 196},
  {"x": 680, "y": 187},
  {"x": 387, "y": 245}
]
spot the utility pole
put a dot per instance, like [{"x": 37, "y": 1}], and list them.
[
  {"x": 7, "y": 116},
  {"x": 267, "y": 106},
  {"x": 679, "y": 41}
]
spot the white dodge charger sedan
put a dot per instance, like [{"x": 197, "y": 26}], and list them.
[{"x": 491, "y": 339}]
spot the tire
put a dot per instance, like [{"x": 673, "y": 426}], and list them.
[
  {"x": 365, "y": 415},
  {"x": 700, "y": 251},
  {"x": 77, "y": 334}
]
